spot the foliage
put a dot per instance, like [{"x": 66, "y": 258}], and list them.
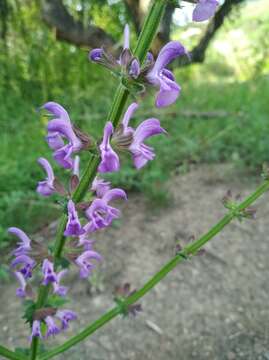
[{"x": 38, "y": 68}]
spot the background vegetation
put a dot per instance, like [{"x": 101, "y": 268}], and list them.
[{"x": 221, "y": 116}]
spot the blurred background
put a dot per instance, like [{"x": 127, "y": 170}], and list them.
[{"x": 221, "y": 117}]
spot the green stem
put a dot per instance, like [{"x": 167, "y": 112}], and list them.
[
  {"x": 144, "y": 41},
  {"x": 143, "y": 44},
  {"x": 8, "y": 354},
  {"x": 182, "y": 255}
]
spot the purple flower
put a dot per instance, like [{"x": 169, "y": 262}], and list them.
[
  {"x": 109, "y": 159},
  {"x": 60, "y": 128},
  {"x": 57, "y": 287},
  {"x": 126, "y": 36},
  {"x": 21, "y": 291},
  {"x": 52, "y": 328},
  {"x": 36, "y": 330},
  {"x": 84, "y": 240},
  {"x": 26, "y": 265},
  {"x": 46, "y": 187},
  {"x": 73, "y": 226},
  {"x": 76, "y": 166},
  {"x": 48, "y": 272},
  {"x": 134, "y": 69},
  {"x": 163, "y": 78},
  {"x": 100, "y": 214},
  {"x": 141, "y": 152},
  {"x": 96, "y": 55},
  {"x": 84, "y": 262},
  {"x": 100, "y": 186},
  {"x": 65, "y": 316},
  {"x": 204, "y": 10},
  {"x": 24, "y": 245}
]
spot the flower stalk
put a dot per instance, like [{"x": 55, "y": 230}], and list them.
[
  {"x": 145, "y": 39},
  {"x": 187, "y": 251}
]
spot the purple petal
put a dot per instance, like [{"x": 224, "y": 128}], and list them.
[
  {"x": 204, "y": 10},
  {"x": 20, "y": 292},
  {"x": 57, "y": 288},
  {"x": 110, "y": 161},
  {"x": 168, "y": 53},
  {"x": 84, "y": 262},
  {"x": 65, "y": 316},
  {"x": 114, "y": 194},
  {"x": 56, "y": 109},
  {"x": 48, "y": 272},
  {"x": 96, "y": 54},
  {"x": 168, "y": 93},
  {"x": 36, "y": 331},
  {"x": 76, "y": 166},
  {"x": 143, "y": 153},
  {"x": 24, "y": 245},
  {"x": 46, "y": 187},
  {"x": 73, "y": 226},
  {"x": 134, "y": 70},
  {"x": 54, "y": 140},
  {"x": 126, "y": 43},
  {"x": 100, "y": 186},
  {"x": 52, "y": 328},
  {"x": 27, "y": 265},
  {"x": 127, "y": 116}
]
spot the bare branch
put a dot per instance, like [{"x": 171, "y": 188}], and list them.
[{"x": 55, "y": 14}]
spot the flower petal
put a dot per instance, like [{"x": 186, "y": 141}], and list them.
[{"x": 204, "y": 10}]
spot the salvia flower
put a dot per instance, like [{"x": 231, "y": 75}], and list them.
[
  {"x": 109, "y": 159},
  {"x": 24, "y": 246},
  {"x": 73, "y": 226},
  {"x": 84, "y": 262},
  {"x": 100, "y": 214},
  {"x": 36, "y": 330},
  {"x": 204, "y": 10},
  {"x": 49, "y": 276},
  {"x": 100, "y": 186},
  {"x": 46, "y": 187},
  {"x": 57, "y": 287},
  {"x": 60, "y": 130},
  {"x": 133, "y": 139},
  {"x": 65, "y": 316},
  {"x": 161, "y": 77},
  {"x": 21, "y": 291},
  {"x": 24, "y": 264},
  {"x": 52, "y": 328}
]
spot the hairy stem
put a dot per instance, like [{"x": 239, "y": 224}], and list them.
[
  {"x": 145, "y": 39},
  {"x": 190, "y": 249},
  {"x": 146, "y": 36}
]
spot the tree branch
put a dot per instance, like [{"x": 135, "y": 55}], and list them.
[
  {"x": 55, "y": 14},
  {"x": 199, "y": 51}
]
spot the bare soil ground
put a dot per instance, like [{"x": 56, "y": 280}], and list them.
[{"x": 212, "y": 307}]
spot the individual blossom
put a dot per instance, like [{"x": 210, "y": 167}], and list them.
[
  {"x": 163, "y": 78},
  {"x": 73, "y": 226},
  {"x": 36, "y": 330},
  {"x": 85, "y": 264},
  {"x": 49, "y": 276},
  {"x": 57, "y": 287},
  {"x": 60, "y": 131},
  {"x": 100, "y": 214},
  {"x": 109, "y": 159},
  {"x": 133, "y": 139},
  {"x": 24, "y": 264},
  {"x": 65, "y": 316},
  {"x": 204, "y": 10},
  {"x": 24, "y": 246},
  {"x": 100, "y": 186},
  {"x": 21, "y": 291},
  {"x": 46, "y": 187},
  {"x": 52, "y": 328}
]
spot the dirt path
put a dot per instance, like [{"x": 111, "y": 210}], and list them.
[{"x": 213, "y": 307}]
